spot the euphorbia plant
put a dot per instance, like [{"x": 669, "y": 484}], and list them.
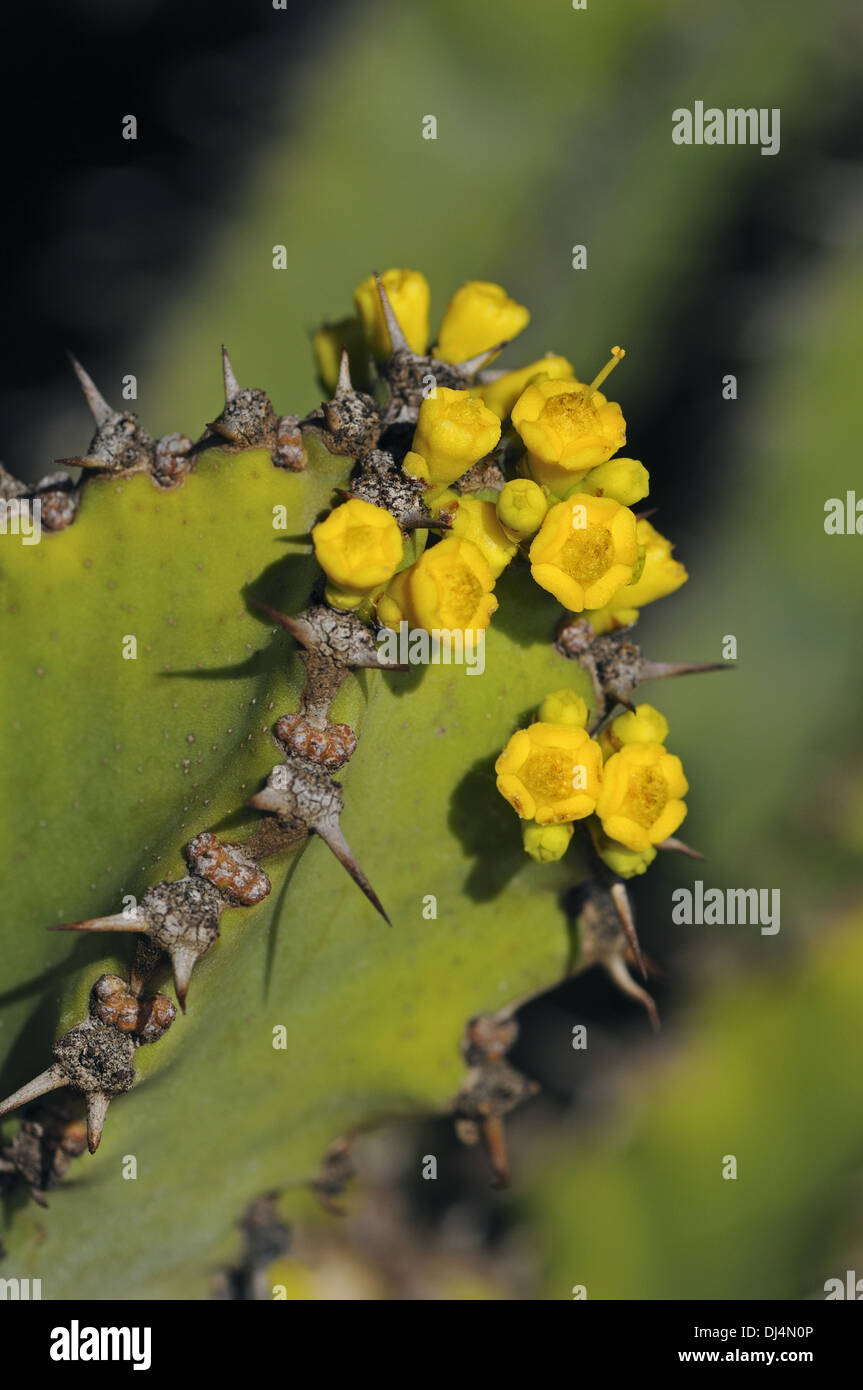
[{"x": 261, "y": 573}]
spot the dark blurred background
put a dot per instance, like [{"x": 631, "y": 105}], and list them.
[
  {"x": 301, "y": 127},
  {"x": 101, "y": 231}
]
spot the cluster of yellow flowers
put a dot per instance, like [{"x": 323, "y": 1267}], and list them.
[
  {"x": 624, "y": 783},
  {"x": 568, "y": 510}
]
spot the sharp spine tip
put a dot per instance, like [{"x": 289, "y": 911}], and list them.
[
  {"x": 673, "y": 843},
  {"x": 472, "y": 365},
  {"x": 331, "y": 833},
  {"x": 343, "y": 385},
  {"x": 659, "y": 670},
  {"x": 232, "y": 386},
  {"x": 398, "y": 341},
  {"x": 298, "y": 629},
  {"x": 50, "y": 1080},
  {"x": 182, "y": 965},
  {"x": 616, "y": 968},
  {"x": 97, "y": 1109},
  {"x": 620, "y": 898},
  {"x": 99, "y": 407},
  {"x": 86, "y": 461},
  {"x": 119, "y": 921}
]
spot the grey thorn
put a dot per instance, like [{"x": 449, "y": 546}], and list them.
[
  {"x": 616, "y": 968},
  {"x": 99, "y": 407},
  {"x": 620, "y": 898},
  {"x": 183, "y": 962},
  {"x": 343, "y": 385},
  {"x": 398, "y": 341},
  {"x": 301, "y": 630},
  {"x": 659, "y": 670},
  {"x": 232, "y": 386},
  {"x": 50, "y": 1080},
  {"x": 86, "y": 461},
  {"x": 331, "y": 833},
  {"x": 97, "y": 1108},
  {"x": 673, "y": 843},
  {"x": 267, "y": 799},
  {"x": 117, "y": 921},
  {"x": 472, "y": 365}
]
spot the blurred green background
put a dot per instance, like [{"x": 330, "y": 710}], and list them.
[{"x": 554, "y": 129}]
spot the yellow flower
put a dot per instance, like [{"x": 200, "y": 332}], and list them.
[
  {"x": 626, "y": 480},
  {"x": 626, "y": 863},
  {"x": 568, "y": 428},
  {"x": 644, "y": 724},
  {"x": 328, "y": 343},
  {"x": 358, "y": 547},
  {"x": 585, "y": 551},
  {"x": 546, "y": 843},
  {"x": 454, "y": 431},
  {"x": 550, "y": 773},
  {"x": 480, "y": 315},
  {"x": 476, "y": 521},
  {"x": 660, "y": 576},
  {"x": 521, "y": 506},
  {"x": 502, "y": 394},
  {"x": 408, "y": 293},
  {"x": 449, "y": 588},
  {"x": 563, "y": 707},
  {"x": 641, "y": 801}
]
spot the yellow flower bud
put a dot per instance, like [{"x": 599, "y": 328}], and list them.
[
  {"x": 568, "y": 428},
  {"x": 449, "y": 588},
  {"x": 622, "y": 861},
  {"x": 550, "y": 773},
  {"x": 585, "y": 551},
  {"x": 478, "y": 316},
  {"x": 391, "y": 605},
  {"x": 408, "y": 293},
  {"x": 328, "y": 344},
  {"x": 546, "y": 843},
  {"x": 358, "y": 546},
  {"x": 344, "y": 599},
  {"x": 644, "y": 724},
  {"x": 608, "y": 619},
  {"x": 416, "y": 466},
  {"x": 521, "y": 507},
  {"x": 454, "y": 431},
  {"x": 564, "y": 707},
  {"x": 476, "y": 521},
  {"x": 502, "y": 394},
  {"x": 626, "y": 480},
  {"x": 641, "y": 800},
  {"x": 660, "y": 576}
]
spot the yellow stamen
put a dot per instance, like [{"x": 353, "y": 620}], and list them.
[{"x": 617, "y": 354}]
